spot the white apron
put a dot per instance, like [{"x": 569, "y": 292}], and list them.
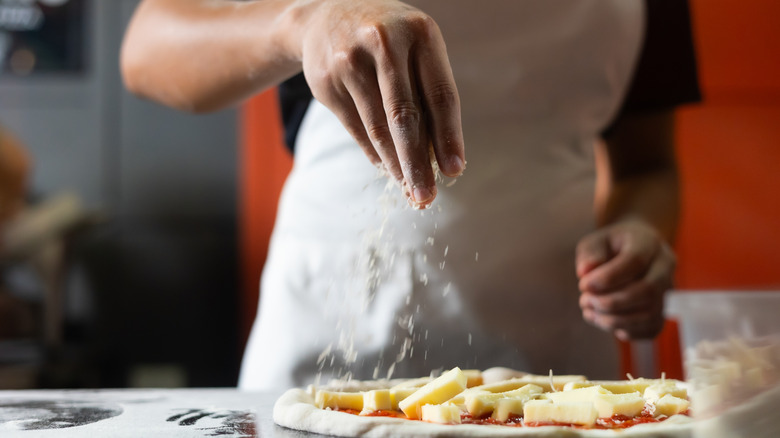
[{"x": 359, "y": 284}]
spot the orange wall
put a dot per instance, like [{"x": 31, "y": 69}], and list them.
[
  {"x": 264, "y": 165},
  {"x": 729, "y": 150},
  {"x": 729, "y": 155}
]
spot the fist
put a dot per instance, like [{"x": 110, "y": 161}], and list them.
[{"x": 624, "y": 271}]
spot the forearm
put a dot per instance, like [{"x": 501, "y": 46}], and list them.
[
  {"x": 203, "y": 55},
  {"x": 640, "y": 178},
  {"x": 652, "y": 198}
]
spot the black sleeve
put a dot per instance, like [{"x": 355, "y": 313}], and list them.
[
  {"x": 294, "y": 99},
  {"x": 666, "y": 74}
]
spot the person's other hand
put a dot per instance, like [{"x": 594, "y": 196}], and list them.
[
  {"x": 624, "y": 271},
  {"x": 381, "y": 66}
]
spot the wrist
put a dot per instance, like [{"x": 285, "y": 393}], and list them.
[{"x": 290, "y": 28}]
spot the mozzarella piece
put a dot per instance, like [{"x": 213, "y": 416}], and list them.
[
  {"x": 670, "y": 405},
  {"x": 582, "y": 413},
  {"x": 506, "y": 407},
  {"x": 558, "y": 382},
  {"x": 377, "y": 400},
  {"x": 658, "y": 390},
  {"x": 439, "y": 390},
  {"x": 473, "y": 378},
  {"x": 479, "y": 404},
  {"x": 614, "y": 386},
  {"x": 512, "y": 402},
  {"x": 587, "y": 394},
  {"x": 630, "y": 405},
  {"x": 501, "y": 386},
  {"x": 339, "y": 400},
  {"x": 398, "y": 394},
  {"x": 443, "y": 414}
]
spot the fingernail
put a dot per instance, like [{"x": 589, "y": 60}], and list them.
[
  {"x": 453, "y": 166},
  {"x": 422, "y": 195}
]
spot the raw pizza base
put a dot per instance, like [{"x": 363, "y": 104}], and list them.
[{"x": 295, "y": 409}]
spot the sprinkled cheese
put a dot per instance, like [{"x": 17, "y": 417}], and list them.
[{"x": 437, "y": 391}]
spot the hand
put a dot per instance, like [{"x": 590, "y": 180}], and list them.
[
  {"x": 624, "y": 271},
  {"x": 381, "y": 66}
]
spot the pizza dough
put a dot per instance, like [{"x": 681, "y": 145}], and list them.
[{"x": 297, "y": 409}]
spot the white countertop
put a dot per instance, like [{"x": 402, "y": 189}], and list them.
[{"x": 139, "y": 413}]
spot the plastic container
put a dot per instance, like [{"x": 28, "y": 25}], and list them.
[{"x": 731, "y": 343}]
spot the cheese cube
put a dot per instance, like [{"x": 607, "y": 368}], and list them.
[
  {"x": 339, "y": 400},
  {"x": 658, "y": 390},
  {"x": 479, "y": 404},
  {"x": 587, "y": 394},
  {"x": 582, "y": 413},
  {"x": 630, "y": 405},
  {"x": 494, "y": 387},
  {"x": 438, "y": 391},
  {"x": 443, "y": 414},
  {"x": 501, "y": 386},
  {"x": 377, "y": 400},
  {"x": 670, "y": 405},
  {"x": 473, "y": 378},
  {"x": 398, "y": 394},
  {"x": 506, "y": 407},
  {"x": 614, "y": 386},
  {"x": 557, "y": 381}
]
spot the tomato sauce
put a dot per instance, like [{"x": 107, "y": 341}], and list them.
[{"x": 615, "y": 422}]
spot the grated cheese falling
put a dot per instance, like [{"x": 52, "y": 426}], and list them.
[{"x": 552, "y": 385}]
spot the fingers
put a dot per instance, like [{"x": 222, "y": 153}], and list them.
[
  {"x": 387, "y": 77},
  {"x": 633, "y": 253},
  {"x": 639, "y": 294},
  {"x": 441, "y": 100},
  {"x": 625, "y": 294},
  {"x": 592, "y": 251},
  {"x": 371, "y": 125},
  {"x": 406, "y": 125}
]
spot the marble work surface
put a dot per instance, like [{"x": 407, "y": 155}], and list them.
[{"x": 140, "y": 413}]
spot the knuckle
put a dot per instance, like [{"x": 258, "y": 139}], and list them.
[
  {"x": 376, "y": 36},
  {"x": 347, "y": 59},
  {"x": 379, "y": 135},
  {"x": 421, "y": 24},
  {"x": 441, "y": 95},
  {"x": 403, "y": 114},
  {"x": 411, "y": 27}
]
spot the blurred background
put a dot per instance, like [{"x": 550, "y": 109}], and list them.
[
  {"x": 135, "y": 255},
  {"x": 143, "y": 199}
]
